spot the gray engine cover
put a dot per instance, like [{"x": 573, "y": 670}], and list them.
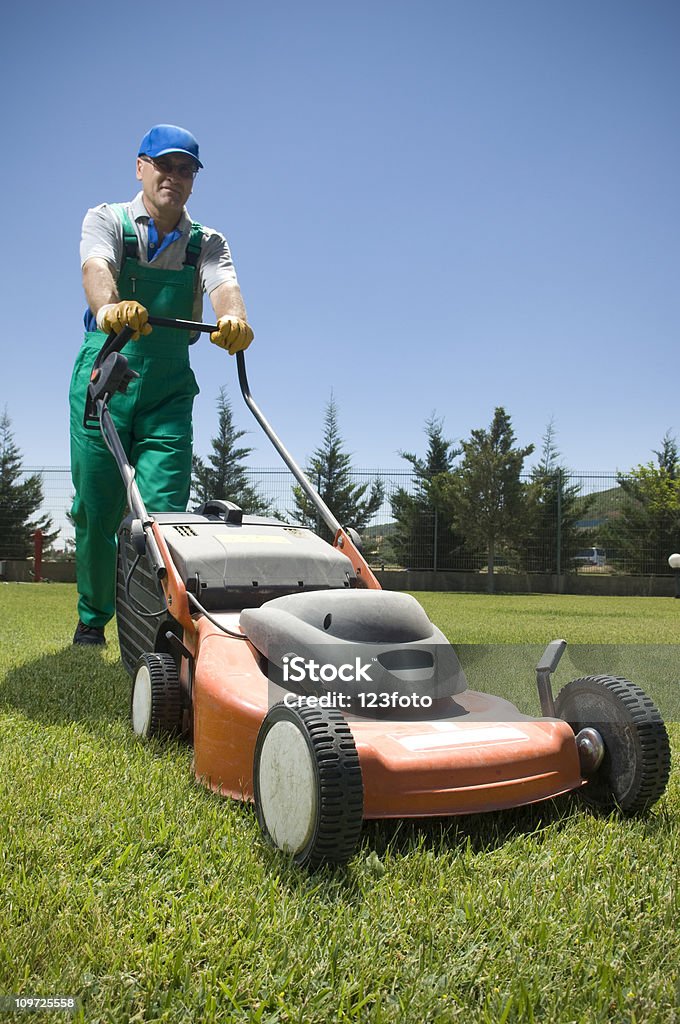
[{"x": 259, "y": 555}]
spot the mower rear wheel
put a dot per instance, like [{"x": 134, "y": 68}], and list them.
[
  {"x": 308, "y": 786},
  {"x": 634, "y": 770},
  {"x": 156, "y": 698}
]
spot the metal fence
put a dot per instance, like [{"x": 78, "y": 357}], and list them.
[{"x": 578, "y": 534}]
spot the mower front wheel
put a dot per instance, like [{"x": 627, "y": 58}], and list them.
[
  {"x": 308, "y": 785},
  {"x": 632, "y": 769},
  {"x": 156, "y": 698}
]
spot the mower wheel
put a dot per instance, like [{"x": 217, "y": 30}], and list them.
[
  {"x": 633, "y": 771},
  {"x": 308, "y": 787},
  {"x": 156, "y": 699}
]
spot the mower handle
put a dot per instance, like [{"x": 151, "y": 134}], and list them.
[{"x": 115, "y": 343}]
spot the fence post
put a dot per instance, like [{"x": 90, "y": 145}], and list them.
[
  {"x": 318, "y": 491},
  {"x": 37, "y": 555},
  {"x": 558, "y": 544},
  {"x": 436, "y": 539}
]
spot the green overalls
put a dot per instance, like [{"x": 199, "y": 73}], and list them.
[{"x": 153, "y": 418}]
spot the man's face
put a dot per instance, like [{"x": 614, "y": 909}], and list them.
[{"x": 166, "y": 181}]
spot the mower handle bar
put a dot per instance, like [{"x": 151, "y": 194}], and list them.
[{"x": 115, "y": 343}]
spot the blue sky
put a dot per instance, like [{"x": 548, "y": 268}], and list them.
[{"x": 434, "y": 207}]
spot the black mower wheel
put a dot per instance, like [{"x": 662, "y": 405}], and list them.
[
  {"x": 308, "y": 788},
  {"x": 636, "y": 760},
  {"x": 156, "y": 698}
]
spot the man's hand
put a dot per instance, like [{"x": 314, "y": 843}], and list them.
[
  {"x": 233, "y": 334},
  {"x": 117, "y": 315}
]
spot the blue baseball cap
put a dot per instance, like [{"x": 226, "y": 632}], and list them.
[{"x": 168, "y": 138}]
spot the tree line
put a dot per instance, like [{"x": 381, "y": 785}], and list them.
[
  {"x": 469, "y": 497},
  {"x": 21, "y": 498}
]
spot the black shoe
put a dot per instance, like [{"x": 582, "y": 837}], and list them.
[{"x": 89, "y": 636}]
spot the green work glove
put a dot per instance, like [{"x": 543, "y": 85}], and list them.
[
  {"x": 232, "y": 333},
  {"x": 128, "y": 313}
]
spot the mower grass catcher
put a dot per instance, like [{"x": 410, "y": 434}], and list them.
[{"x": 307, "y": 689}]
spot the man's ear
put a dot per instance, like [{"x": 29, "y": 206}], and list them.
[{"x": 139, "y": 168}]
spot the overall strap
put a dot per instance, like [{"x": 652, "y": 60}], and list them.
[
  {"x": 130, "y": 246},
  {"x": 194, "y": 244}
]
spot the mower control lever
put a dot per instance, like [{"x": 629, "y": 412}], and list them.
[
  {"x": 113, "y": 374},
  {"x": 110, "y": 373}
]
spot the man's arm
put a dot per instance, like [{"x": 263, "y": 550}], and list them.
[
  {"x": 227, "y": 300},
  {"x": 99, "y": 283},
  {"x": 234, "y": 333},
  {"x": 101, "y": 291}
]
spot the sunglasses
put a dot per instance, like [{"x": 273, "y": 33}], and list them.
[{"x": 180, "y": 169}]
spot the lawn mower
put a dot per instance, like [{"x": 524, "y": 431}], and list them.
[{"x": 307, "y": 689}]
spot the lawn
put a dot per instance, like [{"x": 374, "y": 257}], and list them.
[{"x": 127, "y": 885}]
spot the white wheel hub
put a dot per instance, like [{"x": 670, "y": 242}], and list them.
[
  {"x": 288, "y": 787},
  {"x": 141, "y": 702}
]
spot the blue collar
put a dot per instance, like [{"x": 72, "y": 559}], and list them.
[{"x": 153, "y": 248}]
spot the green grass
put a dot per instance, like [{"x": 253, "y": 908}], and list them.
[
  {"x": 126, "y": 884},
  {"x": 503, "y": 637},
  {"x": 539, "y": 618}
]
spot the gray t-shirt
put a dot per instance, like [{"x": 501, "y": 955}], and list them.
[{"x": 102, "y": 237}]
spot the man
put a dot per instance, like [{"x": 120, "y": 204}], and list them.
[{"x": 141, "y": 258}]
